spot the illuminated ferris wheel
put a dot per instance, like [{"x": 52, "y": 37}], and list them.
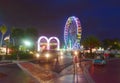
[{"x": 72, "y": 33}]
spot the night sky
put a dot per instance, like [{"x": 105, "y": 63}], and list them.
[{"x": 100, "y": 18}]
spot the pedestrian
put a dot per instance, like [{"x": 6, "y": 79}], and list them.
[{"x": 106, "y": 55}]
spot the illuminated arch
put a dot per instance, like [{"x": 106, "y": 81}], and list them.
[
  {"x": 40, "y": 38},
  {"x": 58, "y": 42}
]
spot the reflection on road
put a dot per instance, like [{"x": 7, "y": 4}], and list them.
[
  {"x": 56, "y": 66},
  {"x": 99, "y": 68}
]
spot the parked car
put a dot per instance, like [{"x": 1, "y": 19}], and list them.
[{"x": 99, "y": 62}]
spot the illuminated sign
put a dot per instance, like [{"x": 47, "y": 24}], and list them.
[{"x": 47, "y": 42}]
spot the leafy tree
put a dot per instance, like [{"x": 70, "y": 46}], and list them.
[
  {"x": 91, "y": 42},
  {"x": 3, "y": 30},
  {"x": 111, "y": 43},
  {"x": 16, "y": 35},
  {"x": 31, "y": 32},
  {"x": 19, "y": 35},
  {"x": 32, "y": 35}
]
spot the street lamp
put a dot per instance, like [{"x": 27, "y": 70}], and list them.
[{"x": 27, "y": 43}]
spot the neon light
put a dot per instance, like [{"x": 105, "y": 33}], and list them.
[
  {"x": 48, "y": 42},
  {"x": 40, "y": 38},
  {"x": 75, "y": 38},
  {"x": 58, "y": 45}
]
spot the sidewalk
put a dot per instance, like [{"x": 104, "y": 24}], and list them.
[
  {"x": 69, "y": 79},
  {"x": 6, "y": 62},
  {"x": 68, "y": 76},
  {"x": 38, "y": 73}
]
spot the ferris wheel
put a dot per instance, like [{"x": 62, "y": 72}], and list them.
[{"x": 72, "y": 33}]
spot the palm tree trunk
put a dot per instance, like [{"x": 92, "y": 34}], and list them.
[
  {"x": 90, "y": 51},
  {"x": 13, "y": 41},
  {"x": 1, "y": 40}
]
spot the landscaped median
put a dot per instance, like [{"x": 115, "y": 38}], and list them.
[{"x": 38, "y": 73}]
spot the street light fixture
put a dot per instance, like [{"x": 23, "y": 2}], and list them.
[{"x": 27, "y": 43}]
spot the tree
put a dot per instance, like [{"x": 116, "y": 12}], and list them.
[
  {"x": 111, "y": 44},
  {"x": 16, "y": 35},
  {"x": 32, "y": 35},
  {"x": 7, "y": 43},
  {"x": 91, "y": 42},
  {"x": 3, "y": 30}
]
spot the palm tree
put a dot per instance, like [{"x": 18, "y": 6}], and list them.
[
  {"x": 16, "y": 35},
  {"x": 31, "y": 32},
  {"x": 32, "y": 35},
  {"x": 3, "y": 30},
  {"x": 91, "y": 42}
]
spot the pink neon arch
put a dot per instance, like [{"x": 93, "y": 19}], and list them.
[
  {"x": 40, "y": 38},
  {"x": 58, "y": 42}
]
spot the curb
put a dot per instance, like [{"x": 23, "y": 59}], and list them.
[{"x": 86, "y": 73}]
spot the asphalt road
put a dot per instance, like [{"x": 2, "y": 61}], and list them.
[
  {"x": 13, "y": 74},
  {"x": 109, "y": 73},
  {"x": 56, "y": 66}
]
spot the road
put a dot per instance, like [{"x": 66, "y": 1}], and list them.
[
  {"x": 13, "y": 74},
  {"x": 56, "y": 66},
  {"x": 109, "y": 73},
  {"x": 67, "y": 74}
]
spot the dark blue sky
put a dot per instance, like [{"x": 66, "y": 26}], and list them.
[{"x": 98, "y": 17}]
